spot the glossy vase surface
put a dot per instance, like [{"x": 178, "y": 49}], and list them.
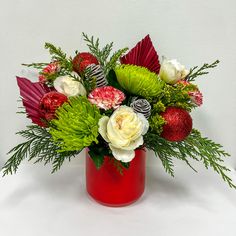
[{"x": 108, "y": 187}]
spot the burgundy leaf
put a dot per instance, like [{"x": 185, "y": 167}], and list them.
[
  {"x": 143, "y": 54},
  {"x": 32, "y": 94}
]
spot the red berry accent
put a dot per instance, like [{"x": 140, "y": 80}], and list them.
[
  {"x": 178, "y": 124},
  {"x": 82, "y": 60},
  {"x": 50, "y": 102}
]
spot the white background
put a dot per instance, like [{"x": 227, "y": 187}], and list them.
[{"x": 33, "y": 202}]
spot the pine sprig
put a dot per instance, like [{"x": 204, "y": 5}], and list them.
[
  {"x": 166, "y": 151},
  {"x": 119, "y": 165},
  {"x": 103, "y": 54},
  {"x": 94, "y": 47},
  {"x": 58, "y": 55},
  {"x": 39, "y": 65},
  {"x": 114, "y": 58},
  {"x": 195, "y": 71},
  {"x": 210, "y": 153},
  {"x": 39, "y": 146},
  {"x": 194, "y": 147}
]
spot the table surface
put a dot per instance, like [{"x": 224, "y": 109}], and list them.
[{"x": 34, "y": 202}]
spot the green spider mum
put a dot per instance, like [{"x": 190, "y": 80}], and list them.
[
  {"x": 139, "y": 81},
  {"x": 76, "y": 125}
]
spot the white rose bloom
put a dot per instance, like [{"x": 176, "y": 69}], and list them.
[
  {"x": 172, "y": 71},
  {"x": 124, "y": 132},
  {"x": 68, "y": 86}
]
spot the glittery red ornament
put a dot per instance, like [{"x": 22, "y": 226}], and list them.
[
  {"x": 50, "y": 102},
  {"x": 82, "y": 60},
  {"x": 178, "y": 124}
]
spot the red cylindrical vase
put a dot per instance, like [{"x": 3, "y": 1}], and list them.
[{"x": 111, "y": 188}]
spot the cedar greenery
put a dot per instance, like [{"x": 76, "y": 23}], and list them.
[
  {"x": 196, "y": 71},
  {"x": 39, "y": 65},
  {"x": 103, "y": 54},
  {"x": 39, "y": 147},
  {"x": 194, "y": 147}
]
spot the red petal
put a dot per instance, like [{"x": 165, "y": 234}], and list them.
[{"x": 143, "y": 54}]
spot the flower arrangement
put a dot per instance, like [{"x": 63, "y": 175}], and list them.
[{"x": 113, "y": 105}]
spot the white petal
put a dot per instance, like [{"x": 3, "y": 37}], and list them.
[
  {"x": 102, "y": 129},
  {"x": 57, "y": 84},
  {"x": 122, "y": 155},
  {"x": 134, "y": 144},
  {"x": 82, "y": 89},
  {"x": 145, "y": 123}
]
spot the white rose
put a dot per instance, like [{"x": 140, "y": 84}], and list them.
[
  {"x": 124, "y": 132},
  {"x": 172, "y": 71},
  {"x": 68, "y": 86}
]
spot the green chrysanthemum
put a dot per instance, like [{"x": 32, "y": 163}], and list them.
[
  {"x": 76, "y": 125},
  {"x": 139, "y": 81}
]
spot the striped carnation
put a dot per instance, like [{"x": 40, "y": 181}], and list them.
[
  {"x": 50, "y": 69},
  {"x": 196, "y": 97},
  {"x": 106, "y": 97}
]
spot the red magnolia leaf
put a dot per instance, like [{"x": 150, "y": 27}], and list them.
[
  {"x": 143, "y": 54},
  {"x": 32, "y": 94}
]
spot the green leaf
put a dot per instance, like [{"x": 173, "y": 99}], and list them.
[
  {"x": 98, "y": 159},
  {"x": 126, "y": 165}
]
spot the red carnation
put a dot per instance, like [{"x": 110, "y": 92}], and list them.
[
  {"x": 82, "y": 60},
  {"x": 194, "y": 93},
  {"x": 196, "y": 97},
  {"x": 178, "y": 124},
  {"x": 106, "y": 97},
  {"x": 50, "y": 102},
  {"x": 50, "y": 69}
]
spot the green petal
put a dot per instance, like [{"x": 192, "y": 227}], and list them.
[
  {"x": 139, "y": 81},
  {"x": 76, "y": 125}
]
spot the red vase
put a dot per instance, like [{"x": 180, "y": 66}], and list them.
[{"x": 108, "y": 187}]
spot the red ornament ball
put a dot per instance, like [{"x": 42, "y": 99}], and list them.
[
  {"x": 50, "y": 102},
  {"x": 82, "y": 60},
  {"x": 178, "y": 124}
]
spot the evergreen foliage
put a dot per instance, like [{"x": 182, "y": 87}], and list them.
[
  {"x": 194, "y": 147},
  {"x": 38, "y": 146},
  {"x": 103, "y": 55},
  {"x": 177, "y": 97},
  {"x": 39, "y": 65},
  {"x": 58, "y": 55},
  {"x": 195, "y": 71}
]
